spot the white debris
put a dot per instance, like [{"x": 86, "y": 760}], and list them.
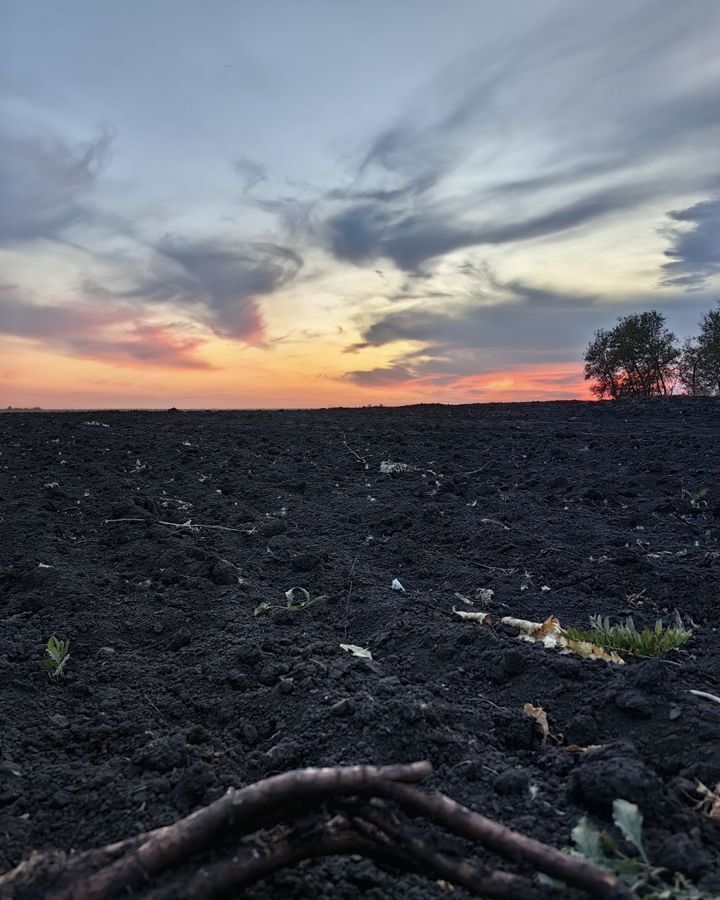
[
  {"x": 387, "y": 467},
  {"x": 396, "y": 586},
  {"x": 362, "y": 652},
  {"x": 95, "y": 422}
]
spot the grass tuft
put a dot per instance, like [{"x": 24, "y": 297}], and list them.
[{"x": 625, "y": 637}]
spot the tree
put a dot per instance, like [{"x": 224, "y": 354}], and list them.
[
  {"x": 689, "y": 367},
  {"x": 708, "y": 345},
  {"x": 637, "y": 358},
  {"x": 601, "y": 366}
]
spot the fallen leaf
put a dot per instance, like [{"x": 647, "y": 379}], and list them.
[
  {"x": 540, "y": 716},
  {"x": 592, "y": 651},
  {"x": 362, "y": 652},
  {"x": 551, "y": 635},
  {"x": 481, "y": 618},
  {"x": 547, "y": 632},
  {"x": 710, "y": 804},
  {"x": 484, "y": 594}
]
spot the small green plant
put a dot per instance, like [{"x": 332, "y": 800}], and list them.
[
  {"x": 58, "y": 653},
  {"x": 625, "y": 636},
  {"x": 292, "y": 605},
  {"x": 647, "y": 881},
  {"x": 697, "y": 501}
]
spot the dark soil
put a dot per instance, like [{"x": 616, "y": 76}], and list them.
[{"x": 175, "y": 690}]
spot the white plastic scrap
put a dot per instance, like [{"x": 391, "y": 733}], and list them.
[{"x": 396, "y": 586}]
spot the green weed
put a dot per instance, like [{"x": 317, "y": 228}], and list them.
[
  {"x": 625, "y": 636},
  {"x": 647, "y": 881},
  {"x": 697, "y": 500},
  {"x": 58, "y": 653}
]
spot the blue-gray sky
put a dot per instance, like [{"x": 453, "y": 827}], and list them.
[{"x": 284, "y": 203}]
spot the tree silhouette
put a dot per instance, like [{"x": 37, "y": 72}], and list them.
[{"x": 637, "y": 358}]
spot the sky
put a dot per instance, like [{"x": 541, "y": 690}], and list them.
[{"x": 228, "y": 203}]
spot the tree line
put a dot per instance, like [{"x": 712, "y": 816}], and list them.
[{"x": 641, "y": 357}]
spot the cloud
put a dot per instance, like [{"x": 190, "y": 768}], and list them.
[
  {"x": 533, "y": 381},
  {"x": 512, "y": 315},
  {"x": 518, "y": 324},
  {"x": 45, "y": 185},
  {"x": 250, "y": 172},
  {"x": 695, "y": 246},
  {"x": 99, "y": 331},
  {"x": 506, "y": 325},
  {"x": 146, "y": 344},
  {"x": 366, "y": 232},
  {"x": 218, "y": 282},
  {"x": 382, "y": 376},
  {"x": 436, "y": 180}
]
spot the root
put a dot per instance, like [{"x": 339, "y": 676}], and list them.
[{"x": 308, "y": 813}]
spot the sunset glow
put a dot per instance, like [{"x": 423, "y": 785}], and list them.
[{"x": 255, "y": 215}]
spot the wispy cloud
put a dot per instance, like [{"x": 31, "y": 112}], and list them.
[
  {"x": 367, "y": 232},
  {"x": 507, "y": 324},
  {"x": 695, "y": 246},
  {"x": 250, "y": 171},
  {"x": 218, "y": 283},
  {"x": 540, "y": 104},
  {"x": 46, "y": 185}
]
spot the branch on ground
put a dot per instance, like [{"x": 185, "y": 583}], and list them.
[{"x": 304, "y": 814}]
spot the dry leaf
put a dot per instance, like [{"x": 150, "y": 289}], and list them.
[
  {"x": 576, "y": 748},
  {"x": 481, "y": 618},
  {"x": 551, "y": 635},
  {"x": 540, "y": 716},
  {"x": 710, "y": 804},
  {"x": 484, "y": 594},
  {"x": 592, "y": 651},
  {"x": 548, "y": 632}
]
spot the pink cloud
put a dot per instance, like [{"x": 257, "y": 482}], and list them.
[{"x": 105, "y": 332}]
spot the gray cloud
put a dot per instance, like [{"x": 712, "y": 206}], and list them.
[
  {"x": 218, "y": 282},
  {"x": 695, "y": 246},
  {"x": 366, "y": 232},
  {"x": 381, "y": 376},
  {"x": 510, "y": 324},
  {"x": 45, "y": 185},
  {"x": 250, "y": 172}
]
